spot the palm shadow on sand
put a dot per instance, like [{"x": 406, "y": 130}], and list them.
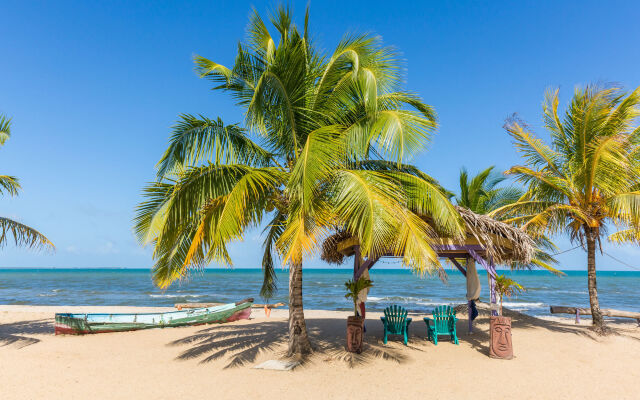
[
  {"x": 479, "y": 340},
  {"x": 242, "y": 343},
  {"x": 16, "y": 333}
]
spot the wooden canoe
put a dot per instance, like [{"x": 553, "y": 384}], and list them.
[{"x": 79, "y": 324}]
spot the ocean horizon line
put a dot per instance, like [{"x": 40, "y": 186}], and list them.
[{"x": 317, "y": 269}]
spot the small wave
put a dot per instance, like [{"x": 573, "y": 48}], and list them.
[
  {"x": 176, "y": 295},
  {"x": 433, "y": 303},
  {"x": 408, "y": 299},
  {"x": 524, "y": 305}
]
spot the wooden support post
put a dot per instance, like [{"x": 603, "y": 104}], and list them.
[
  {"x": 491, "y": 273},
  {"x": 493, "y": 294},
  {"x": 469, "y": 317},
  {"x": 357, "y": 260},
  {"x": 577, "y": 315}
]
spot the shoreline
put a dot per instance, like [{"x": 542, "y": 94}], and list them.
[
  {"x": 553, "y": 359},
  {"x": 282, "y": 312}
]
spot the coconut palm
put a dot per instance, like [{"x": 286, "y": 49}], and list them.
[
  {"x": 324, "y": 146},
  {"x": 586, "y": 180},
  {"x": 483, "y": 194},
  {"x": 23, "y": 235}
]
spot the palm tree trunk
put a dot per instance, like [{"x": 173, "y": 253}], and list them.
[
  {"x": 596, "y": 314},
  {"x": 299, "y": 344}
]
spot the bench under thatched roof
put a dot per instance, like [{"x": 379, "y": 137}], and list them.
[{"x": 503, "y": 243}]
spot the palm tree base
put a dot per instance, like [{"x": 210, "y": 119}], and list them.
[{"x": 601, "y": 330}]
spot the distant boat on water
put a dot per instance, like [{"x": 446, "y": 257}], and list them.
[{"x": 79, "y": 324}]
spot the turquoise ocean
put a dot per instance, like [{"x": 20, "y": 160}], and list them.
[{"x": 323, "y": 288}]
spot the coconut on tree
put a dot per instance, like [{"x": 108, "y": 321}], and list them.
[
  {"x": 23, "y": 235},
  {"x": 586, "y": 180},
  {"x": 323, "y": 147}
]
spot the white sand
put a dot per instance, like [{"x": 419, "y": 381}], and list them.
[{"x": 554, "y": 360}]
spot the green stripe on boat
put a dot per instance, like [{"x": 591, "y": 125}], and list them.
[{"x": 78, "y": 324}]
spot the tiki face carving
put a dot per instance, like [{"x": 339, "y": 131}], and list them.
[
  {"x": 354, "y": 336},
  {"x": 501, "y": 346},
  {"x": 354, "y": 333}
]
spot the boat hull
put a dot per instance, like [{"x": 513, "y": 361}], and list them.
[{"x": 80, "y": 324}]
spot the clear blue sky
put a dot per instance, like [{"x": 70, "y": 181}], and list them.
[{"x": 93, "y": 88}]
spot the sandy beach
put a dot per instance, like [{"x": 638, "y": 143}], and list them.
[{"x": 553, "y": 359}]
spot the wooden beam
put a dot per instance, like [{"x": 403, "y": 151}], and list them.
[
  {"x": 587, "y": 311},
  {"x": 457, "y": 247},
  {"x": 180, "y": 306},
  {"x": 470, "y": 240},
  {"x": 491, "y": 270},
  {"x": 457, "y": 264},
  {"x": 368, "y": 264},
  {"x": 346, "y": 247}
]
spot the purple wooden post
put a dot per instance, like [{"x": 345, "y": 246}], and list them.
[
  {"x": 356, "y": 262},
  {"x": 577, "y": 315},
  {"x": 492, "y": 283},
  {"x": 469, "y": 314},
  {"x": 494, "y": 300}
]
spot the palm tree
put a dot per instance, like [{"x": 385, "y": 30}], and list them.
[
  {"x": 324, "y": 146},
  {"x": 354, "y": 287},
  {"x": 22, "y": 234},
  {"x": 587, "y": 179},
  {"x": 507, "y": 287},
  {"x": 483, "y": 194}
]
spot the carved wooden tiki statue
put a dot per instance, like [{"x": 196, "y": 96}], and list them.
[
  {"x": 354, "y": 334},
  {"x": 501, "y": 345}
]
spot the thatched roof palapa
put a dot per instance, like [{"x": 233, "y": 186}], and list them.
[{"x": 501, "y": 242}]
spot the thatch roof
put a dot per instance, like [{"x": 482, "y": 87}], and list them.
[
  {"x": 503, "y": 242},
  {"x": 330, "y": 251},
  {"x": 500, "y": 241}
]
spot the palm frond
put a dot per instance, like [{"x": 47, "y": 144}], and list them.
[
  {"x": 23, "y": 235},
  {"x": 536, "y": 153},
  {"x": 9, "y": 185},
  {"x": 5, "y": 128},
  {"x": 199, "y": 139}
]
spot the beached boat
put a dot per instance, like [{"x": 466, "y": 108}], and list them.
[{"x": 78, "y": 324}]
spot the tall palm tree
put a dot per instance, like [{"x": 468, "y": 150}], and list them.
[
  {"x": 22, "y": 234},
  {"x": 483, "y": 193},
  {"x": 587, "y": 179},
  {"x": 323, "y": 147}
]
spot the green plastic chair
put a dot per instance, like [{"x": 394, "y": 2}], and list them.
[
  {"x": 395, "y": 322},
  {"x": 444, "y": 323}
]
